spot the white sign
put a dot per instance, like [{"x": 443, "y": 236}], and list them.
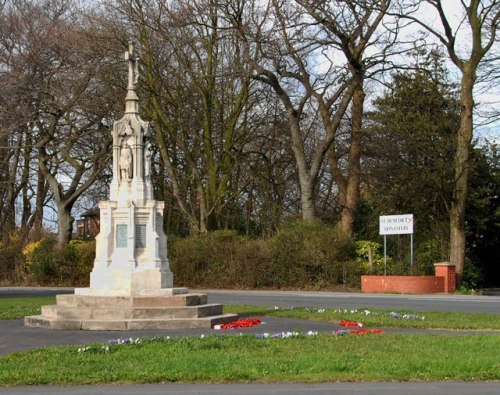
[{"x": 396, "y": 224}]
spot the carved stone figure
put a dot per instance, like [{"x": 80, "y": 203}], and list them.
[
  {"x": 126, "y": 162},
  {"x": 147, "y": 160},
  {"x": 127, "y": 131}
]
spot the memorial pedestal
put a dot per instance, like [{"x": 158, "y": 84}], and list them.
[{"x": 121, "y": 313}]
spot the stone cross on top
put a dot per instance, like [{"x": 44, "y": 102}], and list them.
[
  {"x": 133, "y": 65},
  {"x": 131, "y": 100},
  {"x": 131, "y": 156}
]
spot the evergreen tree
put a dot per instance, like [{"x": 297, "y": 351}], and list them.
[{"x": 409, "y": 155}]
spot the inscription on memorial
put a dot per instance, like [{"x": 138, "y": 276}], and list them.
[
  {"x": 140, "y": 236},
  {"x": 121, "y": 236}
]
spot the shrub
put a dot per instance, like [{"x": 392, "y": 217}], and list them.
[
  {"x": 301, "y": 256},
  {"x": 201, "y": 259},
  {"x": 218, "y": 259},
  {"x": 368, "y": 254},
  {"x": 46, "y": 264},
  {"x": 471, "y": 277},
  {"x": 84, "y": 253},
  {"x": 39, "y": 260},
  {"x": 12, "y": 259},
  {"x": 427, "y": 254},
  {"x": 310, "y": 254}
]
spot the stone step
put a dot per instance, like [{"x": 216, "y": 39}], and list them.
[
  {"x": 206, "y": 310},
  {"x": 39, "y": 321},
  {"x": 200, "y": 323},
  {"x": 124, "y": 325},
  {"x": 192, "y": 299},
  {"x": 90, "y": 301},
  {"x": 78, "y": 313}
]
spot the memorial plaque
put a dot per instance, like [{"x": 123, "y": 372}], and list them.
[
  {"x": 140, "y": 236},
  {"x": 121, "y": 236}
]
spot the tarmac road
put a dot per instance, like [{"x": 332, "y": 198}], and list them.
[
  {"x": 344, "y": 300},
  {"x": 15, "y": 337}
]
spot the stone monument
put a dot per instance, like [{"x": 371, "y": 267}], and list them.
[{"x": 131, "y": 285}]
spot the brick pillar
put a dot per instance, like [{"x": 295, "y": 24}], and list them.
[{"x": 447, "y": 270}]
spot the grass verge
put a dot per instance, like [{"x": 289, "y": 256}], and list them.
[
  {"x": 246, "y": 358},
  {"x": 19, "y": 307},
  {"x": 378, "y": 318}
]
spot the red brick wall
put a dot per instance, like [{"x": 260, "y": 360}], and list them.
[
  {"x": 402, "y": 284},
  {"x": 445, "y": 280},
  {"x": 447, "y": 271}
]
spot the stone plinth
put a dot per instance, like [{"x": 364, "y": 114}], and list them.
[{"x": 116, "y": 313}]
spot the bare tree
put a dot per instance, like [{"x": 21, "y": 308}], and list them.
[
  {"x": 196, "y": 89},
  {"x": 54, "y": 70},
  {"x": 351, "y": 28},
  {"x": 279, "y": 43},
  {"x": 312, "y": 56}
]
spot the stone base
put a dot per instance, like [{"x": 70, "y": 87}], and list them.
[
  {"x": 127, "y": 292},
  {"x": 117, "y": 313}
]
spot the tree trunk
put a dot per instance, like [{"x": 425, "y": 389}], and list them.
[
  {"x": 25, "y": 184},
  {"x": 202, "y": 204},
  {"x": 8, "y": 215},
  {"x": 350, "y": 198},
  {"x": 307, "y": 198},
  {"x": 41, "y": 193},
  {"x": 65, "y": 224},
  {"x": 306, "y": 180},
  {"x": 462, "y": 170}
]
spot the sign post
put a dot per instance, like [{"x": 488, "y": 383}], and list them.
[{"x": 396, "y": 225}]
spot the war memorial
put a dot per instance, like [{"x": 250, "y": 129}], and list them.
[{"x": 131, "y": 285}]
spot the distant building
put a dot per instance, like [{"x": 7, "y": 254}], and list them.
[{"x": 88, "y": 226}]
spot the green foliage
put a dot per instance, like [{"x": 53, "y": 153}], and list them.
[
  {"x": 483, "y": 214},
  {"x": 40, "y": 260},
  {"x": 413, "y": 133},
  {"x": 46, "y": 264},
  {"x": 84, "y": 252},
  {"x": 300, "y": 255},
  {"x": 471, "y": 277},
  {"x": 11, "y": 259},
  {"x": 310, "y": 254},
  {"x": 218, "y": 259},
  {"x": 427, "y": 253},
  {"x": 369, "y": 255}
]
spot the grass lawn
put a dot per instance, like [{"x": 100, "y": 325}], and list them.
[
  {"x": 19, "y": 307},
  {"x": 247, "y": 358},
  {"x": 376, "y": 317}
]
